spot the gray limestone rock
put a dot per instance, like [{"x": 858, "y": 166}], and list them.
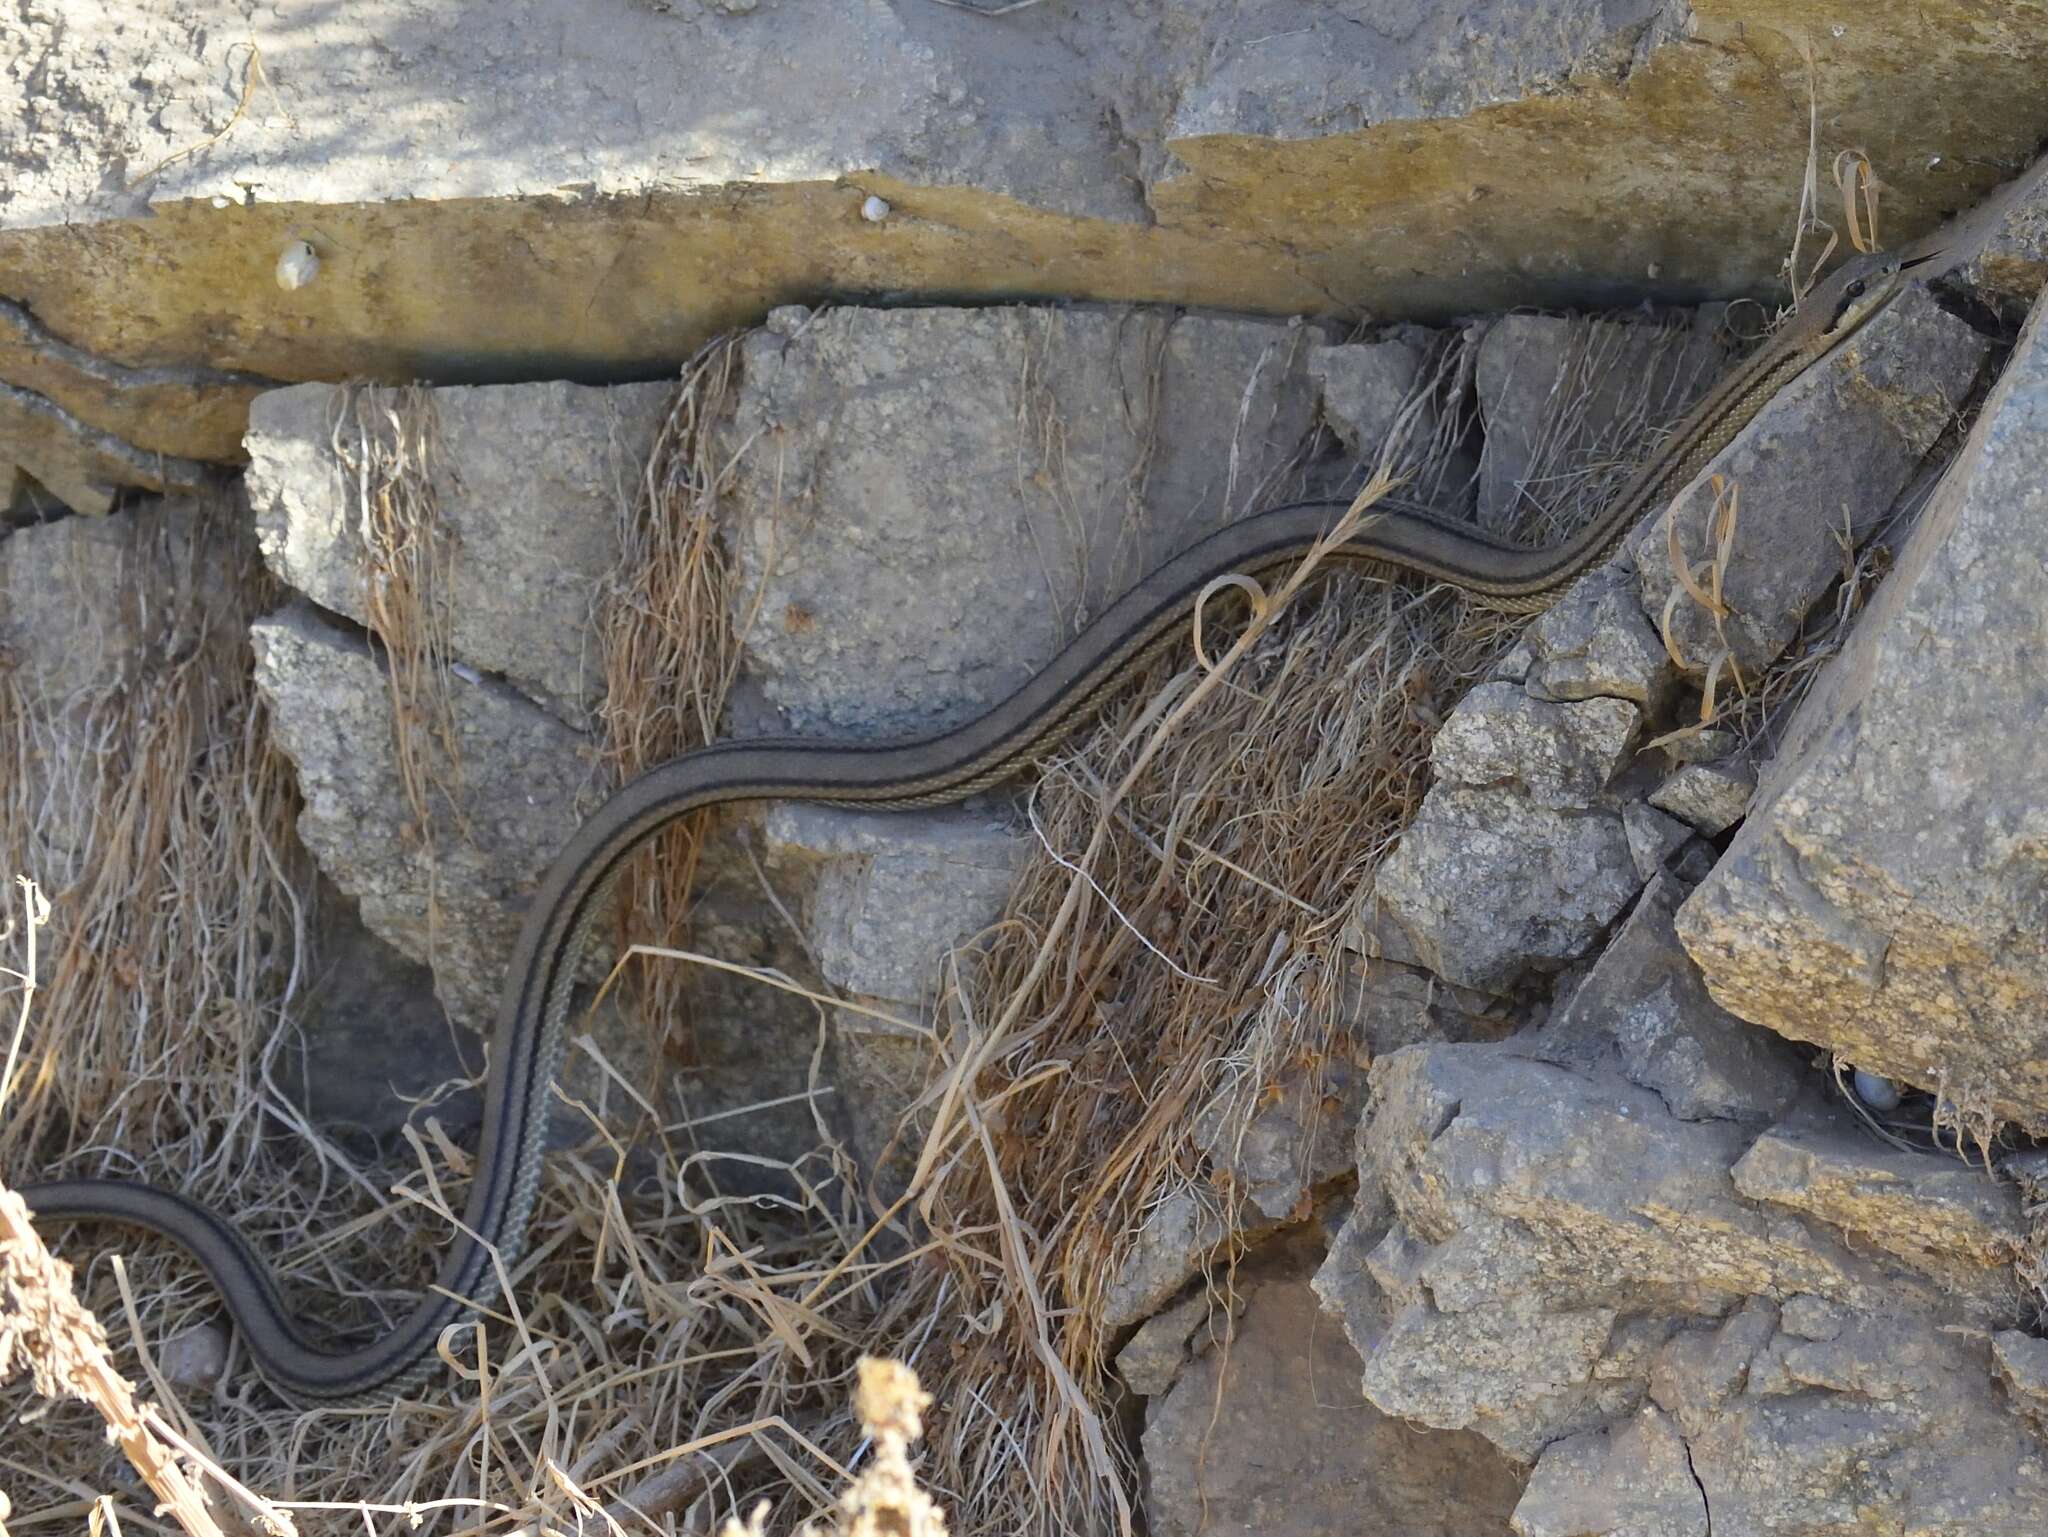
[
  {"x": 1153, "y": 1356},
  {"x": 887, "y": 602},
  {"x": 1488, "y": 883},
  {"x": 1360, "y": 388},
  {"x": 1594, "y": 643},
  {"x": 1701, "y": 1369},
  {"x": 1561, "y": 754},
  {"x": 1884, "y": 897},
  {"x": 895, "y": 893},
  {"x": 526, "y": 778},
  {"x": 1644, "y": 1012},
  {"x": 1549, "y": 385},
  {"x": 2009, "y": 270},
  {"x": 1388, "y": 1005},
  {"x": 1271, "y": 1436},
  {"x": 1275, "y": 1148},
  {"x": 1533, "y": 1283},
  {"x": 1653, "y": 837},
  {"x": 1178, "y": 1238},
  {"x": 1823, "y": 460},
  {"x": 527, "y": 480},
  {"x": 1712, "y": 797}
]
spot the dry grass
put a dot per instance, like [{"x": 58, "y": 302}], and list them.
[
  {"x": 672, "y": 1354},
  {"x": 671, "y": 650}
]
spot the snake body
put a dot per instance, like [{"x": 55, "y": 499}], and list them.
[{"x": 572, "y": 900}]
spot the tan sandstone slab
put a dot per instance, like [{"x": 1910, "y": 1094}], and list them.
[{"x": 554, "y": 188}]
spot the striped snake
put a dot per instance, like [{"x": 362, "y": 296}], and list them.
[{"x": 527, "y": 1045}]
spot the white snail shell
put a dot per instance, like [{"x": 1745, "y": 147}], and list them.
[{"x": 298, "y": 266}]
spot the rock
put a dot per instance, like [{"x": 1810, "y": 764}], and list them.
[
  {"x": 194, "y": 1358},
  {"x": 1155, "y": 1354},
  {"x": 1952, "y": 1222},
  {"x": 1823, "y": 460},
  {"x": 1427, "y": 160},
  {"x": 373, "y": 1040},
  {"x": 1637, "y": 1479},
  {"x": 1549, "y": 386},
  {"x": 861, "y": 426},
  {"x": 1179, "y": 1236},
  {"x": 1271, "y": 1436},
  {"x": 1488, "y": 883},
  {"x": 1361, "y": 387},
  {"x": 526, "y": 480},
  {"x": 1643, "y": 1012},
  {"x": 1713, "y": 797},
  {"x": 1892, "y": 1426},
  {"x": 1594, "y": 643},
  {"x": 2008, "y": 269},
  {"x": 71, "y": 634},
  {"x": 2022, "y": 1361},
  {"x": 1561, "y": 754},
  {"x": 81, "y": 466},
  {"x": 1883, "y": 899},
  {"x": 896, "y": 893},
  {"x": 525, "y": 779},
  {"x": 1275, "y": 1146},
  {"x": 1700, "y": 1370},
  {"x": 1387, "y": 1006},
  {"x": 1653, "y": 837},
  {"x": 1534, "y": 1283}
]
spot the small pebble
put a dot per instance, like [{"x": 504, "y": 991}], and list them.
[
  {"x": 874, "y": 210},
  {"x": 1876, "y": 1090},
  {"x": 297, "y": 266}
]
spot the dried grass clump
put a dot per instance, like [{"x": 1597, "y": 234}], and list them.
[{"x": 671, "y": 652}]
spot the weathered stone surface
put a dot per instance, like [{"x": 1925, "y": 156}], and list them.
[
  {"x": 1388, "y": 1005},
  {"x": 1532, "y": 1280},
  {"x": 373, "y": 1038},
  {"x": 1954, "y": 1223},
  {"x": 79, "y": 464},
  {"x": 1274, "y": 1148},
  {"x": 1487, "y": 883},
  {"x": 1890, "y": 1426},
  {"x": 1637, "y": 1479},
  {"x": 1179, "y": 1236},
  {"x": 1360, "y": 388},
  {"x": 1824, "y": 459},
  {"x": 525, "y": 777},
  {"x": 860, "y": 426},
  {"x": 1712, "y": 797},
  {"x": 1560, "y": 754},
  {"x": 1271, "y": 1436},
  {"x": 526, "y": 479},
  {"x": 1702, "y": 1369},
  {"x": 1884, "y": 899},
  {"x": 1280, "y": 158},
  {"x": 1594, "y": 643},
  {"x": 1653, "y": 837},
  {"x": 1155, "y": 1354},
  {"x": 2010, "y": 269},
  {"x": 1644, "y": 1012},
  {"x": 896, "y": 893},
  {"x": 1543, "y": 378},
  {"x": 2022, "y": 1361}
]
